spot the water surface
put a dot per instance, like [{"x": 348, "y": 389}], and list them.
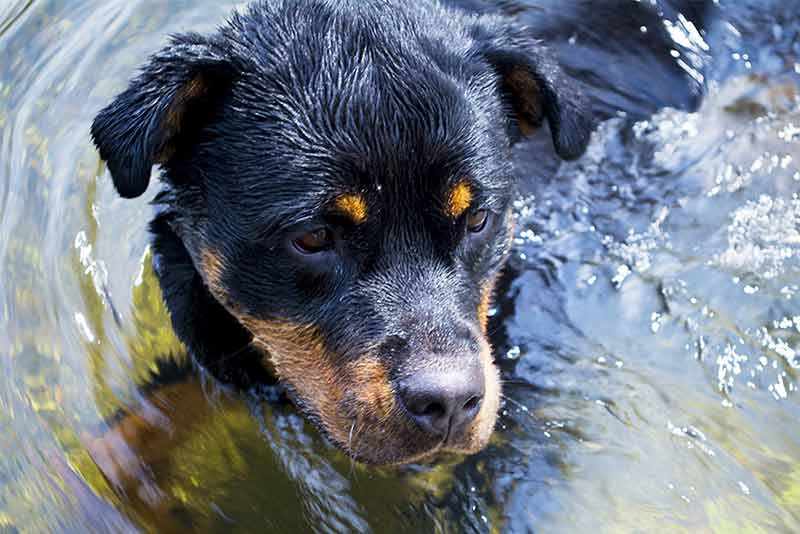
[{"x": 649, "y": 333}]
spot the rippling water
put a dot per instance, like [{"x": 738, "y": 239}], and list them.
[{"x": 650, "y": 333}]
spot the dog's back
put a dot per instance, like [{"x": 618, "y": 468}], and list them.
[{"x": 623, "y": 53}]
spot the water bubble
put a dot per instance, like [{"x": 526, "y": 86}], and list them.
[
  {"x": 83, "y": 326},
  {"x": 655, "y": 322},
  {"x": 729, "y": 365},
  {"x": 623, "y": 271},
  {"x": 789, "y": 133},
  {"x": 778, "y": 389}
]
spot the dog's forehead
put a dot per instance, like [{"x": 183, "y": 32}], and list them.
[
  {"x": 362, "y": 135},
  {"x": 343, "y": 111},
  {"x": 362, "y": 76}
]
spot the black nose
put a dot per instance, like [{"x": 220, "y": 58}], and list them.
[{"x": 445, "y": 398}]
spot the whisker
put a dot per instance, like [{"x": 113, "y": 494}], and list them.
[
  {"x": 234, "y": 354},
  {"x": 350, "y": 449},
  {"x": 516, "y": 403},
  {"x": 515, "y": 382}
]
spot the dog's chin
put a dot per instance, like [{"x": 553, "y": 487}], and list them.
[
  {"x": 396, "y": 458},
  {"x": 405, "y": 450},
  {"x": 417, "y": 448},
  {"x": 388, "y": 458}
]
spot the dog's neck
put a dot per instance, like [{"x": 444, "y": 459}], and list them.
[{"x": 213, "y": 336}]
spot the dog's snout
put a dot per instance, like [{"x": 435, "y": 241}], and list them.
[{"x": 444, "y": 400}]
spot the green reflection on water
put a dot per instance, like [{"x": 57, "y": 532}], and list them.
[{"x": 229, "y": 458}]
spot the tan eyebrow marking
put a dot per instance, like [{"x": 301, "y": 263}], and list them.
[
  {"x": 352, "y": 206},
  {"x": 460, "y": 199}
]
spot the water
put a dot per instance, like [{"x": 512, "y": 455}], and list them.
[{"x": 649, "y": 333}]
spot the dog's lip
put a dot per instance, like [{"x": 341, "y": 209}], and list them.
[
  {"x": 419, "y": 457},
  {"x": 347, "y": 448},
  {"x": 447, "y": 436},
  {"x": 450, "y": 441}
]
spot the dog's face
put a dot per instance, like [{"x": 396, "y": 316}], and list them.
[{"x": 341, "y": 179}]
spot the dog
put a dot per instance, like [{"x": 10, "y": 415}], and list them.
[{"x": 337, "y": 192}]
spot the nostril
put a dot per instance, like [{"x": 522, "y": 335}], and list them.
[
  {"x": 429, "y": 410},
  {"x": 432, "y": 409},
  {"x": 472, "y": 404},
  {"x": 444, "y": 400}
]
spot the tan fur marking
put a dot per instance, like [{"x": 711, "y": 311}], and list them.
[
  {"x": 526, "y": 128},
  {"x": 194, "y": 88},
  {"x": 377, "y": 395},
  {"x": 487, "y": 297},
  {"x": 460, "y": 200},
  {"x": 354, "y": 402},
  {"x": 213, "y": 267},
  {"x": 476, "y": 437},
  {"x": 299, "y": 357},
  {"x": 353, "y": 207},
  {"x": 528, "y": 100},
  {"x": 173, "y": 120},
  {"x": 478, "y": 434}
]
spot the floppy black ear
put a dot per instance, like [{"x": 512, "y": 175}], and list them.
[
  {"x": 172, "y": 96},
  {"x": 535, "y": 87}
]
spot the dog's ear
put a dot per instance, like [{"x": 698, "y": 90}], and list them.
[
  {"x": 173, "y": 96},
  {"x": 534, "y": 86}
]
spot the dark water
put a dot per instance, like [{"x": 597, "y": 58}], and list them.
[{"x": 650, "y": 334}]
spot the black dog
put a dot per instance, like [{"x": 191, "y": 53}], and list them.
[{"x": 338, "y": 182}]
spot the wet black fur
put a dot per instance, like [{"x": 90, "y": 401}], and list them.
[{"x": 393, "y": 100}]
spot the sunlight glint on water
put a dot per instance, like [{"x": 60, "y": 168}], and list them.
[{"x": 652, "y": 344}]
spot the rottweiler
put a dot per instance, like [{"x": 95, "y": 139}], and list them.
[{"x": 337, "y": 191}]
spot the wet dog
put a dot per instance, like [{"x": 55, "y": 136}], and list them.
[{"x": 337, "y": 198}]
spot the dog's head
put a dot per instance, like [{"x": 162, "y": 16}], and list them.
[{"x": 341, "y": 178}]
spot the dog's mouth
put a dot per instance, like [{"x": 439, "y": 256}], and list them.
[
  {"x": 369, "y": 438},
  {"x": 370, "y": 415}
]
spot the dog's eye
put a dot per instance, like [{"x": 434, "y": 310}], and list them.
[
  {"x": 476, "y": 221},
  {"x": 315, "y": 241}
]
